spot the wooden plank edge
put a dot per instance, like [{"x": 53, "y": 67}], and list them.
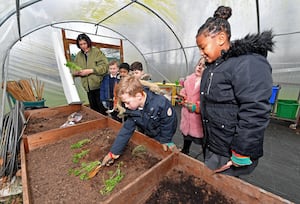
[
  {"x": 52, "y": 111},
  {"x": 25, "y": 186},
  {"x": 38, "y": 140}
]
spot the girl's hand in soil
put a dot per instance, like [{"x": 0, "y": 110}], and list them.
[{"x": 109, "y": 159}]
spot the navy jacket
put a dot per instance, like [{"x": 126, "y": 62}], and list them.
[
  {"x": 235, "y": 92},
  {"x": 107, "y": 89},
  {"x": 157, "y": 120}
]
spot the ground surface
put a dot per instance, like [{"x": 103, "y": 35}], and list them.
[{"x": 40, "y": 124}]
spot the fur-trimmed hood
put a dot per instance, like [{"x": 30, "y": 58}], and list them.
[{"x": 259, "y": 43}]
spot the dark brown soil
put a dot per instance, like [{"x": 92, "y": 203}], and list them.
[
  {"x": 179, "y": 187},
  {"x": 48, "y": 169},
  {"x": 41, "y": 124}
]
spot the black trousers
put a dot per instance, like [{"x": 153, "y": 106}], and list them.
[
  {"x": 94, "y": 100},
  {"x": 187, "y": 142}
]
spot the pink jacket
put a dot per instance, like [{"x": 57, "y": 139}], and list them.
[{"x": 191, "y": 123}]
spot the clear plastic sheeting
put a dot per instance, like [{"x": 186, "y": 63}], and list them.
[
  {"x": 67, "y": 80},
  {"x": 160, "y": 34},
  {"x": 34, "y": 57}
]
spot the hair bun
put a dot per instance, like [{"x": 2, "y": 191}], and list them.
[{"x": 223, "y": 12}]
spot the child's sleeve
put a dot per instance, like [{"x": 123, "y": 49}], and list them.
[
  {"x": 123, "y": 137},
  {"x": 168, "y": 123}
]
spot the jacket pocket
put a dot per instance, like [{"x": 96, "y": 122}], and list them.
[
  {"x": 222, "y": 127},
  {"x": 221, "y": 134}
]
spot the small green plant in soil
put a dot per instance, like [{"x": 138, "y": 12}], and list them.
[
  {"x": 139, "y": 151},
  {"x": 80, "y": 144},
  {"x": 84, "y": 169},
  {"x": 114, "y": 179},
  {"x": 78, "y": 156}
]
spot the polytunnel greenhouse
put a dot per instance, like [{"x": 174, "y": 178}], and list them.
[{"x": 38, "y": 38}]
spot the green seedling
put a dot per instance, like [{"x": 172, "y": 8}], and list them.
[
  {"x": 72, "y": 66},
  {"x": 80, "y": 144},
  {"x": 114, "y": 179},
  {"x": 77, "y": 157},
  {"x": 84, "y": 170},
  {"x": 139, "y": 151}
]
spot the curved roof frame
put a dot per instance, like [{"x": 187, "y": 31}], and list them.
[
  {"x": 18, "y": 8},
  {"x": 62, "y": 22},
  {"x": 181, "y": 46},
  {"x": 29, "y": 3},
  {"x": 157, "y": 15}
]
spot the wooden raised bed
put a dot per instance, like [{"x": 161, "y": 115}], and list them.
[
  {"x": 43, "y": 140},
  {"x": 139, "y": 190},
  {"x": 40, "y": 120},
  {"x": 232, "y": 188}
]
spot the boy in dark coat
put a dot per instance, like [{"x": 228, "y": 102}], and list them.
[{"x": 151, "y": 113}]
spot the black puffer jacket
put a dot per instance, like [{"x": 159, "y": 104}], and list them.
[{"x": 235, "y": 92}]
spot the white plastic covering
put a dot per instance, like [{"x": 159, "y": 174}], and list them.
[
  {"x": 67, "y": 80},
  {"x": 160, "y": 34}
]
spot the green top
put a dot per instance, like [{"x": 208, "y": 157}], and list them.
[{"x": 97, "y": 61}]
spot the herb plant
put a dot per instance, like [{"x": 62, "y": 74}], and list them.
[
  {"x": 80, "y": 144},
  {"x": 84, "y": 169},
  {"x": 72, "y": 66},
  {"x": 139, "y": 151},
  {"x": 77, "y": 157},
  {"x": 114, "y": 179}
]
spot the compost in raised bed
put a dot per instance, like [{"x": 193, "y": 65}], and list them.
[
  {"x": 180, "y": 187},
  {"x": 49, "y": 168},
  {"x": 41, "y": 124}
]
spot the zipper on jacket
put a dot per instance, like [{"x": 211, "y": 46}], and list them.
[
  {"x": 209, "y": 84},
  {"x": 86, "y": 63}
]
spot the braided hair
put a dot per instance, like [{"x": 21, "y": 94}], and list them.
[{"x": 217, "y": 23}]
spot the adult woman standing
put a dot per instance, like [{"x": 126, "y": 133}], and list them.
[
  {"x": 235, "y": 91},
  {"x": 94, "y": 66}
]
